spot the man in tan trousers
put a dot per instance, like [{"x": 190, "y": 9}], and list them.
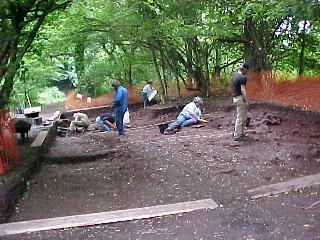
[
  {"x": 240, "y": 99},
  {"x": 80, "y": 120}
]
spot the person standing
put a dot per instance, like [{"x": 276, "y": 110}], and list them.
[
  {"x": 120, "y": 105},
  {"x": 240, "y": 100},
  {"x": 147, "y": 89}
]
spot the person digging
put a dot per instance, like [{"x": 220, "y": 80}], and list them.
[{"x": 190, "y": 115}]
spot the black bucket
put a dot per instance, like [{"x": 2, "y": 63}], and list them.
[{"x": 163, "y": 127}]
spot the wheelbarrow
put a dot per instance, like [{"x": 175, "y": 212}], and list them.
[{"x": 23, "y": 128}]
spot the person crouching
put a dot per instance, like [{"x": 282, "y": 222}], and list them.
[{"x": 80, "y": 120}]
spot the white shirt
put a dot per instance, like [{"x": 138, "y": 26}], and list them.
[
  {"x": 193, "y": 109},
  {"x": 147, "y": 89}
]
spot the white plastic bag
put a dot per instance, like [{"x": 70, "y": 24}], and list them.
[{"x": 126, "y": 119}]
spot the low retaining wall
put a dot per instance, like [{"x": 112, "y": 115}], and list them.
[
  {"x": 79, "y": 158},
  {"x": 13, "y": 184},
  {"x": 91, "y": 112}
]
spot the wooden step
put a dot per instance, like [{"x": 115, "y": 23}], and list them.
[{"x": 40, "y": 139}]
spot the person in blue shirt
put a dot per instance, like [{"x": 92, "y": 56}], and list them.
[{"x": 120, "y": 105}]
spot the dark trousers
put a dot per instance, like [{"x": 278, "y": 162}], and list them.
[
  {"x": 118, "y": 113},
  {"x": 145, "y": 99}
]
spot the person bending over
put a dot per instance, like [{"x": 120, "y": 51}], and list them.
[
  {"x": 147, "y": 89},
  {"x": 120, "y": 105},
  {"x": 106, "y": 122},
  {"x": 80, "y": 120}
]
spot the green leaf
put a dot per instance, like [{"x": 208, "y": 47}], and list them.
[
  {"x": 72, "y": 10},
  {"x": 89, "y": 13}
]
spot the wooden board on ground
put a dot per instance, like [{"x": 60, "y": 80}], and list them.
[
  {"x": 55, "y": 115},
  {"x": 104, "y": 217},
  {"x": 290, "y": 185},
  {"x": 39, "y": 139}
]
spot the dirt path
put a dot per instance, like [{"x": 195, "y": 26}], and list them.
[{"x": 148, "y": 169}]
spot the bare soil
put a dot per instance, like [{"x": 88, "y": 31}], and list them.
[{"x": 93, "y": 172}]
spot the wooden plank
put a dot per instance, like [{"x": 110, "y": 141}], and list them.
[
  {"x": 39, "y": 139},
  {"x": 32, "y": 110},
  {"x": 104, "y": 217},
  {"x": 290, "y": 185},
  {"x": 55, "y": 116}
]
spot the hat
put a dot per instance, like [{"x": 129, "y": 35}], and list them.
[
  {"x": 115, "y": 83},
  {"x": 244, "y": 65}
]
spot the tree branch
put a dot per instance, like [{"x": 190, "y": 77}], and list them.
[{"x": 231, "y": 63}]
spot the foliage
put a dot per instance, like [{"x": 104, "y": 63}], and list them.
[
  {"x": 94, "y": 41},
  {"x": 20, "y": 22}
]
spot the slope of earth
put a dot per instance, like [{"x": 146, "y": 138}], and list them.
[{"x": 147, "y": 168}]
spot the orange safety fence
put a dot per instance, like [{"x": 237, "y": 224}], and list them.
[
  {"x": 75, "y": 102},
  {"x": 302, "y": 92},
  {"x": 9, "y": 150},
  {"x": 134, "y": 97}
]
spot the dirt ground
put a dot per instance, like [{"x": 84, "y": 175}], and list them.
[{"x": 94, "y": 172}]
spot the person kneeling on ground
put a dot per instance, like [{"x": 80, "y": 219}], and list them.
[
  {"x": 190, "y": 115},
  {"x": 80, "y": 120},
  {"x": 106, "y": 122}
]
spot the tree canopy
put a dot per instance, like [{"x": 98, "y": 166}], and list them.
[{"x": 89, "y": 43}]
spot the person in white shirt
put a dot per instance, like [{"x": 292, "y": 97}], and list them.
[
  {"x": 147, "y": 89},
  {"x": 190, "y": 115}
]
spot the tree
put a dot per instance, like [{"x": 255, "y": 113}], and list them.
[
  {"x": 138, "y": 40},
  {"x": 19, "y": 25}
]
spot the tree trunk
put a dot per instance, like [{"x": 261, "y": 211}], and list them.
[
  {"x": 217, "y": 68},
  {"x": 199, "y": 61},
  {"x": 157, "y": 70},
  {"x": 207, "y": 73},
  {"x": 18, "y": 36},
  {"x": 79, "y": 60},
  {"x": 197, "y": 64},
  {"x": 163, "y": 67},
  {"x": 254, "y": 48},
  {"x": 178, "y": 86},
  {"x": 130, "y": 82},
  {"x": 303, "y": 46},
  {"x": 11, "y": 69},
  {"x": 7, "y": 87}
]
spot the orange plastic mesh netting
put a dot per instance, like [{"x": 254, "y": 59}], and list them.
[
  {"x": 74, "y": 101},
  {"x": 9, "y": 150},
  {"x": 303, "y": 92}
]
